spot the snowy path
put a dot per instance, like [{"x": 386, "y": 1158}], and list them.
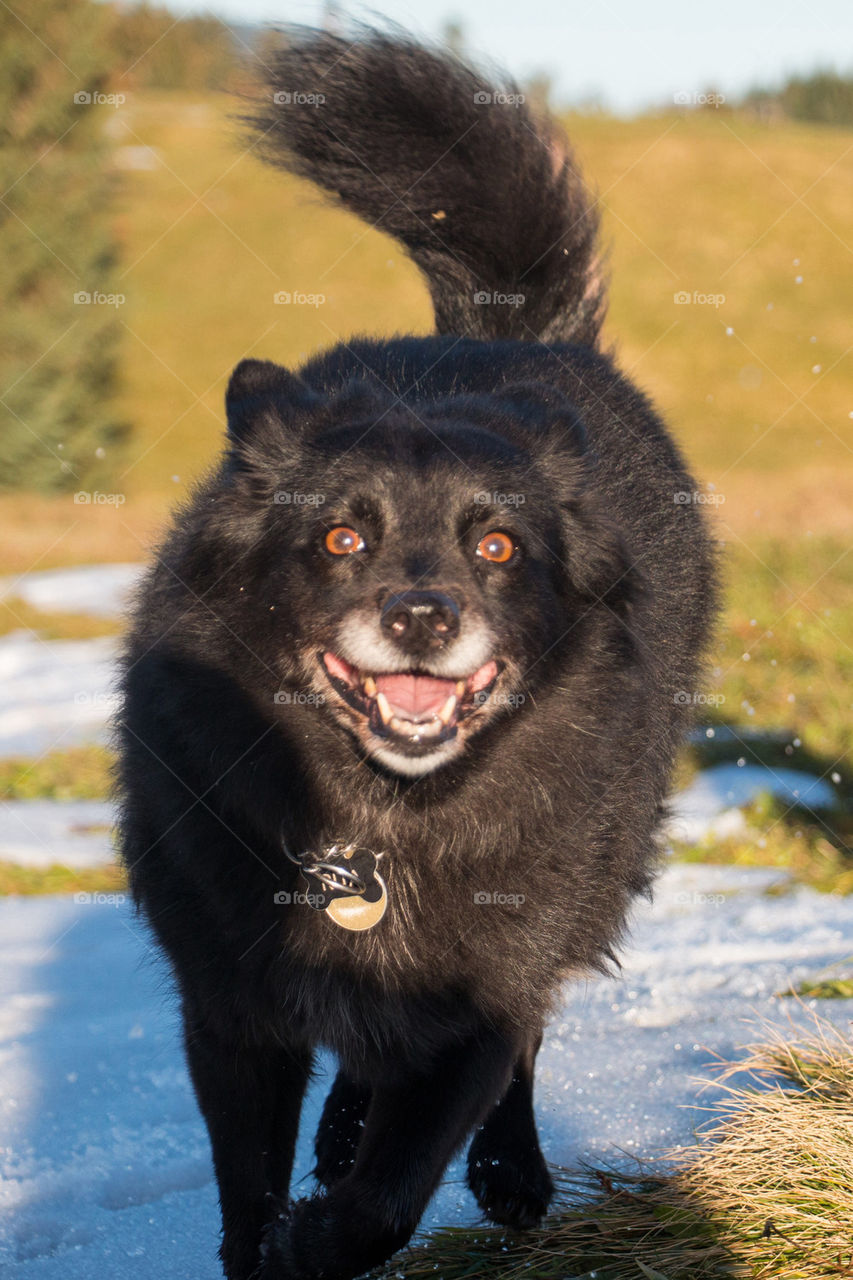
[{"x": 104, "y": 1165}]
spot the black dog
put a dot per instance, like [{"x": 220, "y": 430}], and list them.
[{"x": 405, "y": 684}]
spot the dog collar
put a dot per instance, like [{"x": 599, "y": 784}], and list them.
[{"x": 342, "y": 881}]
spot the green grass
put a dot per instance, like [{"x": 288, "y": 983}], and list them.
[
  {"x": 76, "y": 773},
  {"x": 18, "y": 615},
  {"x": 783, "y": 659},
  {"x": 709, "y": 203},
  {"x": 781, "y": 672},
  {"x": 826, "y": 989},
  {"x": 817, "y": 851},
  {"x": 835, "y": 982},
  {"x": 15, "y": 879}
]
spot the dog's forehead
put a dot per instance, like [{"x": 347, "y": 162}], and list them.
[{"x": 419, "y": 439}]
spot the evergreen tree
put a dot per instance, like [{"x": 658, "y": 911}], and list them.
[{"x": 57, "y": 352}]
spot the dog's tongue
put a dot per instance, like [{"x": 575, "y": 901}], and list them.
[{"x": 416, "y": 696}]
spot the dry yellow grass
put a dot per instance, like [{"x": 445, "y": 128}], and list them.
[
  {"x": 42, "y": 532},
  {"x": 766, "y": 1194}
]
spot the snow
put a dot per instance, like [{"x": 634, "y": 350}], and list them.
[
  {"x": 103, "y": 590},
  {"x": 105, "y": 1167},
  {"x": 57, "y": 693},
  {"x": 54, "y": 693},
  {"x": 710, "y": 804},
  {"x": 39, "y": 833}
]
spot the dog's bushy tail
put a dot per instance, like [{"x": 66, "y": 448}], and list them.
[{"x": 484, "y": 195}]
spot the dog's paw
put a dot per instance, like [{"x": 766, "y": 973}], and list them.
[
  {"x": 278, "y": 1256},
  {"x": 326, "y": 1237},
  {"x": 511, "y": 1189}
]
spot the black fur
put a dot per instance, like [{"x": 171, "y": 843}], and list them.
[
  {"x": 545, "y": 796},
  {"x": 485, "y": 196}
]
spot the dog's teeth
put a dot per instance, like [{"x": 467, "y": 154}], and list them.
[
  {"x": 398, "y": 726},
  {"x": 384, "y": 707},
  {"x": 460, "y": 688},
  {"x": 370, "y": 686},
  {"x": 446, "y": 713}
]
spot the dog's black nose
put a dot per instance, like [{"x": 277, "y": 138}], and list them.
[{"x": 420, "y": 619}]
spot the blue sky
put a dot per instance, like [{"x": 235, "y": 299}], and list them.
[{"x": 630, "y": 53}]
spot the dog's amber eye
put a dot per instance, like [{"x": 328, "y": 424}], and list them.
[
  {"x": 343, "y": 541},
  {"x": 497, "y": 547}
]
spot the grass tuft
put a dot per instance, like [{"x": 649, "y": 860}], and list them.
[{"x": 765, "y": 1193}]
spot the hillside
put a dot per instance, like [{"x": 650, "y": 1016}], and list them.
[{"x": 758, "y": 386}]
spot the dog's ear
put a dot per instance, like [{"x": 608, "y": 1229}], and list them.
[
  {"x": 262, "y": 397},
  {"x": 544, "y": 411},
  {"x": 599, "y": 560}
]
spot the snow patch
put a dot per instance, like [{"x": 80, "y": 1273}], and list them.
[
  {"x": 55, "y": 693},
  {"x": 103, "y": 590},
  {"x": 710, "y": 804},
  {"x": 39, "y": 833}
]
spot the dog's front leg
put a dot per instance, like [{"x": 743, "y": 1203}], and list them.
[
  {"x": 250, "y": 1096},
  {"x": 413, "y": 1126}
]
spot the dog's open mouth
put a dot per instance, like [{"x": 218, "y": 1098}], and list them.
[{"x": 411, "y": 707}]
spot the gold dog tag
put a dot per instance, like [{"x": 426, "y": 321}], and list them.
[
  {"x": 359, "y": 913},
  {"x": 346, "y": 885}
]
